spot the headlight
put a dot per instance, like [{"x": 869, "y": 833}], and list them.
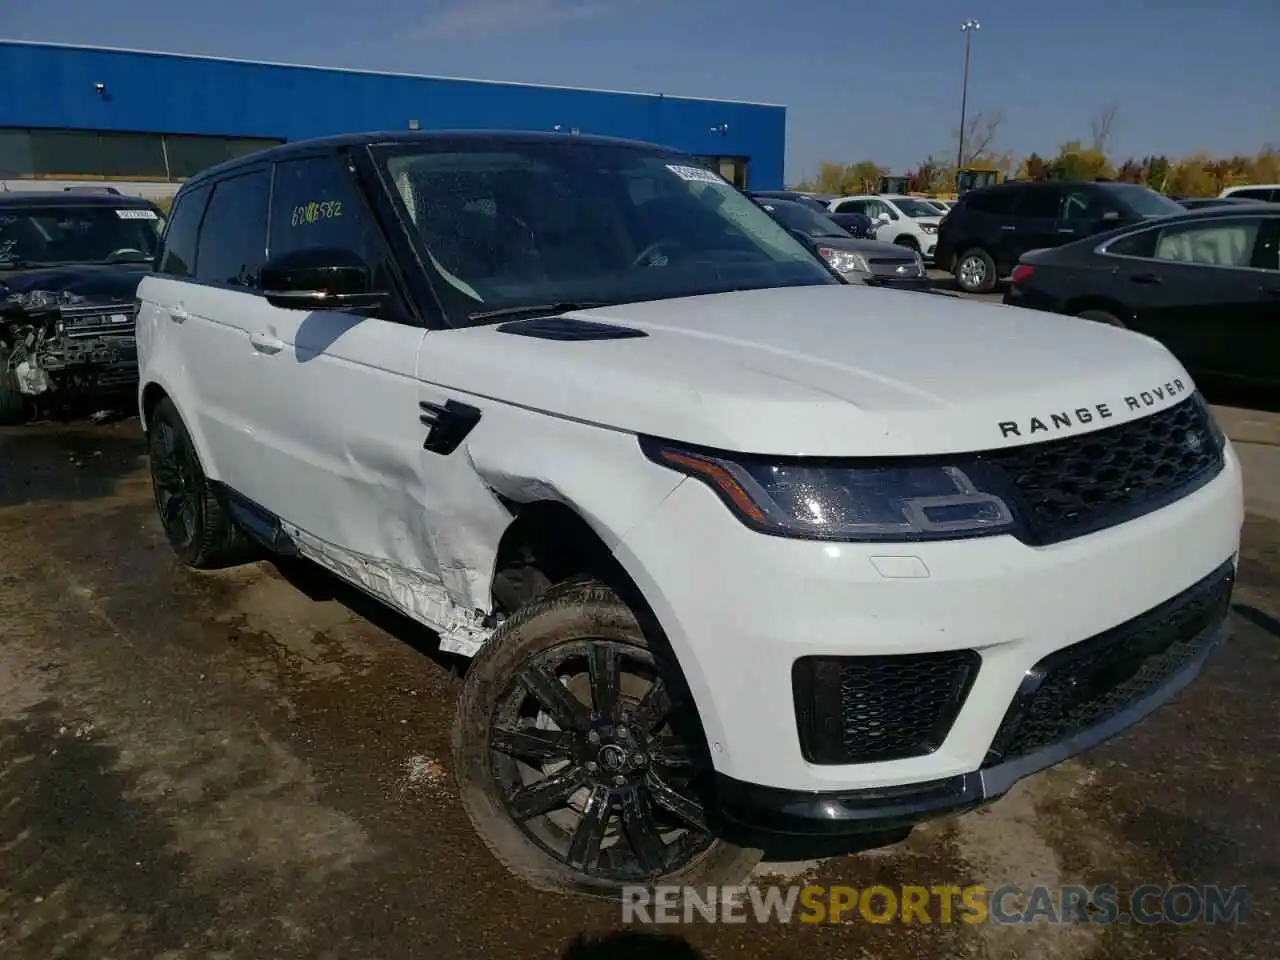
[
  {"x": 829, "y": 502},
  {"x": 842, "y": 261},
  {"x": 929, "y": 227}
]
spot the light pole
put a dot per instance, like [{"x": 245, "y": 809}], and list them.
[{"x": 967, "y": 29}]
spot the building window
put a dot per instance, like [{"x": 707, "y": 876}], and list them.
[
  {"x": 136, "y": 155},
  {"x": 102, "y": 155},
  {"x": 15, "y": 154},
  {"x": 64, "y": 153}
]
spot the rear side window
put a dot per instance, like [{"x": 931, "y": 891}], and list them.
[
  {"x": 852, "y": 206},
  {"x": 179, "y": 254},
  {"x": 1220, "y": 243},
  {"x": 1214, "y": 243},
  {"x": 1040, "y": 203},
  {"x": 1140, "y": 244},
  {"x": 315, "y": 203},
  {"x": 997, "y": 203},
  {"x": 233, "y": 239}
]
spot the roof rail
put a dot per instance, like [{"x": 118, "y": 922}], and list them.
[{"x": 92, "y": 189}]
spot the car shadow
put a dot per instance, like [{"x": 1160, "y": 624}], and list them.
[{"x": 1258, "y": 618}]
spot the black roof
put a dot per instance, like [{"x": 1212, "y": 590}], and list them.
[
  {"x": 783, "y": 202},
  {"x": 385, "y": 137},
  {"x": 70, "y": 198}
]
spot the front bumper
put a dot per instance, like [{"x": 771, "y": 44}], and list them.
[
  {"x": 740, "y": 609},
  {"x": 790, "y": 813}
]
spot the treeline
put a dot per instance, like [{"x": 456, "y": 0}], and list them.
[{"x": 1196, "y": 175}]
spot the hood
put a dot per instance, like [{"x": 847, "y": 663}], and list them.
[
  {"x": 823, "y": 371},
  {"x": 97, "y": 282}
]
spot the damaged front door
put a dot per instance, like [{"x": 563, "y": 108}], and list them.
[{"x": 356, "y": 489}]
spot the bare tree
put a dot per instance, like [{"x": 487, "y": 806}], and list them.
[
  {"x": 980, "y": 134},
  {"x": 1102, "y": 126}
]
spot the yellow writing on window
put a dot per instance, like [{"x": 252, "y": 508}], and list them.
[{"x": 314, "y": 212}]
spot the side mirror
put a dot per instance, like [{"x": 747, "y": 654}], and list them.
[
  {"x": 883, "y": 218},
  {"x": 320, "y": 278}
]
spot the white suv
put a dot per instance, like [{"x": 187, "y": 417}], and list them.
[
  {"x": 906, "y": 221},
  {"x": 741, "y": 551},
  {"x": 1266, "y": 192}
]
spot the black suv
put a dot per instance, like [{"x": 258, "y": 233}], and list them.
[
  {"x": 70, "y": 262},
  {"x": 985, "y": 233}
]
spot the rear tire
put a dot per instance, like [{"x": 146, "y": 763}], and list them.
[
  {"x": 621, "y": 779},
  {"x": 193, "y": 515},
  {"x": 975, "y": 271},
  {"x": 1102, "y": 316}
]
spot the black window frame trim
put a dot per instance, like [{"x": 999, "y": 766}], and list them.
[{"x": 213, "y": 182}]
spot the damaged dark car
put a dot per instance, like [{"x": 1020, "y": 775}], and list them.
[{"x": 70, "y": 263}]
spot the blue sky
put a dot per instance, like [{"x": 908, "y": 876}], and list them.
[{"x": 861, "y": 81}]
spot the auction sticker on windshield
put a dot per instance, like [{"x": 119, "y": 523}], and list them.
[
  {"x": 137, "y": 215},
  {"x": 697, "y": 174}
]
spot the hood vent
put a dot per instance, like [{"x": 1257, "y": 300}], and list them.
[{"x": 567, "y": 328}]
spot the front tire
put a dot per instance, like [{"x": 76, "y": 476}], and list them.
[
  {"x": 579, "y": 758},
  {"x": 194, "y": 518},
  {"x": 975, "y": 271}
]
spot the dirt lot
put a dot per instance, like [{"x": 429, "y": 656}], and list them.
[{"x": 253, "y": 764}]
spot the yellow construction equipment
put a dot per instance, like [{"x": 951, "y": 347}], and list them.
[
  {"x": 975, "y": 177},
  {"x": 894, "y": 185}
]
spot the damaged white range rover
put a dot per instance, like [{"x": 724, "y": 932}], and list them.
[{"x": 741, "y": 552}]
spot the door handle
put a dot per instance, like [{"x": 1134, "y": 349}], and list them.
[
  {"x": 1066, "y": 230},
  {"x": 1271, "y": 290},
  {"x": 1145, "y": 278},
  {"x": 179, "y": 314},
  {"x": 265, "y": 342},
  {"x": 1008, "y": 226}
]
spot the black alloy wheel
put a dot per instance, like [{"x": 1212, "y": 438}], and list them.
[{"x": 595, "y": 774}]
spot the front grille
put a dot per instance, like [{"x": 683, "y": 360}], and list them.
[
  {"x": 891, "y": 261},
  {"x": 868, "y": 709},
  {"x": 99, "y": 320},
  {"x": 1089, "y": 683},
  {"x": 1076, "y": 485}
]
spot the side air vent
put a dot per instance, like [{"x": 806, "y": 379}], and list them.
[{"x": 567, "y": 328}]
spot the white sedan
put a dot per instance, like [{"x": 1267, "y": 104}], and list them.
[{"x": 906, "y": 221}]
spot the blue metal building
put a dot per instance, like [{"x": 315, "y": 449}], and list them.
[{"x": 89, "y": 113}]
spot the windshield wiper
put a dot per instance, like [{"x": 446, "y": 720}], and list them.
[{"x": 536, "y": 310}]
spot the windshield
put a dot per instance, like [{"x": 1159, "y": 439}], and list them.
[
  {"x": 58, "y": 234},
  {"x": 1143, "y": 201},
  {"x": 913, "y": 208},
  {"x": 806, "y": 220},
  {"x": 507, "y": 223}
]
